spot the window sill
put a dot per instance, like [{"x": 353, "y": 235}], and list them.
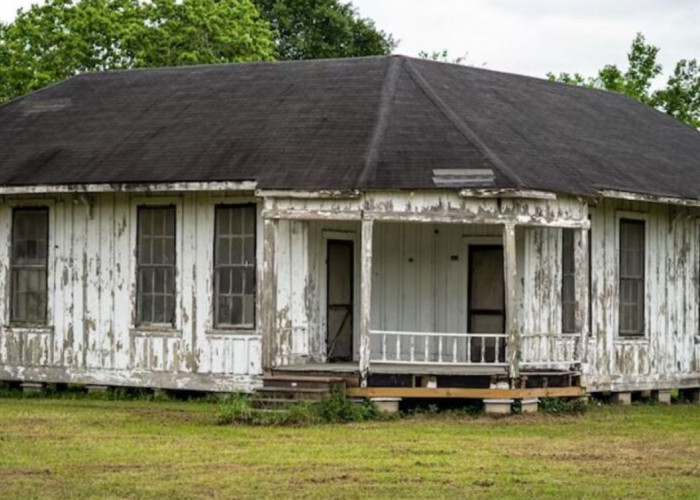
[
  {"x": 232, "y": 332},
  {"x": 155, "y": 331},
  {"x": 632, "y": 339},
  {"x": 29, "y": 329}
]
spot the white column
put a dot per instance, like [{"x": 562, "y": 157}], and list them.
[
  {"x": 511, "y": 286},
  {"x": 582, "y": 287},
  {"x": 268, "y": 294},
  {"x": 365, "y": 299}
]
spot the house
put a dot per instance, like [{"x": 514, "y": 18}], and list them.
[{"x": 418, "y": 228}]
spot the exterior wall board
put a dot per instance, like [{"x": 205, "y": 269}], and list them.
[
  {"x": 420, "y": 276},
  {"x": 90, "y": 336}
]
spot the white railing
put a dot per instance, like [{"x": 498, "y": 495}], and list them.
[
  {"x": 538, "y": 350},
  {"x": 389, "y": 346},
  {"x": 550, "y": 350}
]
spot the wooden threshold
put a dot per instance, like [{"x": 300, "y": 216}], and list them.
[{"x": 463, "y": 393}]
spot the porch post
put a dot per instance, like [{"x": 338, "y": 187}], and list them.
[
  {"x": 365, "y": 299},
  {"x": 511, "y": 285},
  {"x": 268, "y": 294},
  {"x": 581, "y": 281}
]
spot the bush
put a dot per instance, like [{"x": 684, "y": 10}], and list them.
[
  {"x": 563, "y": 406},
  {"x": 238, "y": 409}
]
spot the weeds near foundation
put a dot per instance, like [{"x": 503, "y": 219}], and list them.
[
  {"x": 80, "y": 392},
  {"x": 238, "y": 409},
  {"x": 563, "y": 406},
  {"x": 444, "y": 409}
]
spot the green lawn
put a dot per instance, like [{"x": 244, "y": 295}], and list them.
[{"x": 114, "y": 449}]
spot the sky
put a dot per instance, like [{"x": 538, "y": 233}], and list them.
[{"x": 529, "y": 37}]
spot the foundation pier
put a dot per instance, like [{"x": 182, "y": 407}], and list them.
[{"x": 621, "y": 398}]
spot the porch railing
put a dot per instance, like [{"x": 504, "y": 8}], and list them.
[
  {"x": 538, "y": 350},
  {"x": 389, "y": 346},
  {"x": 550, "y": 350}
]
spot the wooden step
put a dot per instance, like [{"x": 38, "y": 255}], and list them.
[
  {"x": 268, "y": 403},
  {"x": 304, "y": 382},
  {"x": 298, "y": 393},
  {"x": 352, "y": 379}
]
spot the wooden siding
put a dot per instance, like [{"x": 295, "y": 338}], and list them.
[
  {"x": 91, "y": 336},
  {"x": 419, "y": 272},
  {"x": 668, "y": 354}
]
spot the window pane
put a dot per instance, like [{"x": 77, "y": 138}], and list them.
[
  {"x": 156, "y": 264},
  {"x": 29, "y": 265},
  {"x": 632, "y": 277},
  {"x": 234, "y": 261},
  {"x": 568, "y": 285}
]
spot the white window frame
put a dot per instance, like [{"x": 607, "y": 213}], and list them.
[
  {"x": 639, "y": 216},
  {"x": 6, "y": 221},
  {"x": 340, "y": 235},
  {"x": 208, "y": 256},
  {"x": 168, "y": 329}
]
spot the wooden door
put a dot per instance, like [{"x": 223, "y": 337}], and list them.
[
  {"x": 339, "y": 313},
  {"x": 486, "y": 296}
]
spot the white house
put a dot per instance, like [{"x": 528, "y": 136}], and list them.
[{"x": 410, "y": 225}]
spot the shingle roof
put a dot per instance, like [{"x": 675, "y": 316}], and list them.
[{"x": 367, "y": 123}]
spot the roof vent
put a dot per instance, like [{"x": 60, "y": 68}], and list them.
[
  {"x": 33, "y": 106},
  {"x": 463, "y": 177}
]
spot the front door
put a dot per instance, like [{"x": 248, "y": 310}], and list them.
[
  {"x": 486, "y": 297},
  {"x": 339, "y": 340}
]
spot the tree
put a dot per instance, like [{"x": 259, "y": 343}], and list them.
[
  {"x": 318, "y": 29},
  {"x": 61, "y": 38},
  {"x": 443, "y": 56},
  {"x": 680, "y": 97}
]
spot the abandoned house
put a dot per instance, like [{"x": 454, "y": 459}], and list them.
[{"x": 414, "y": 228}]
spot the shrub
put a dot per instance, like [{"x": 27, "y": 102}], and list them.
[
  {"x": 563, "y": 406},
  {"x": 238, "y": 409}
]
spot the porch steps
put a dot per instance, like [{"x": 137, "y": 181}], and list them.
[
  {"x": 351, "y": 377},
  {"x": 281, "y": 391}
]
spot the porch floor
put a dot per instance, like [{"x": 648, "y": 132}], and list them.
[{"x": 395, "y": 369}]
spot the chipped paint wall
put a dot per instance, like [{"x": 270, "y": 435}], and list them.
[
  {"x": 669, "y": 353},
  {"x": 91, "y": 336}
]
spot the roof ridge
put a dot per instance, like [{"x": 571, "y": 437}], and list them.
[
  {"x": 460, "y": 125},
  {"x": 386, "y": 97}
]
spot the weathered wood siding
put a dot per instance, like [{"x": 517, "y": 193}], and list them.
[
  {"x": 668, "y": 354},
  {"x": 91, "y": 335},
  {"x": 420, "y": 283}
]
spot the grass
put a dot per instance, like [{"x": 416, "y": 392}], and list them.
[{"x": 83, "y": 448}]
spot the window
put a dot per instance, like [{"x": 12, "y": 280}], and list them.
[
  {"x": 156, "y": 265},
  {"x": 234, "y": 266},
  {"x": 568, "y": 283},
  {"x": 632, "y": 256},
  {"x": 29, "y": 259}
]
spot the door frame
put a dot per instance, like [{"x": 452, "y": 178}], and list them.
[
  {"x": 492, "y": 242},
  {"x": 351, "y": 245},
  {"x": 353, "y": 236}
]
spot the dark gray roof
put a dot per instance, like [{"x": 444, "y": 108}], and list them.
[{"x": 384, "y": 122}]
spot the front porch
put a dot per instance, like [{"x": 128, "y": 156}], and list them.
[{"x": 442, "y": 292}]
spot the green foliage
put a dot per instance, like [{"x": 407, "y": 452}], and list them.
[
  {"x": 563, "y": 406},
  {"x": 443, "y": 56},
  {"x": 680, "y": 97},
  {"x": 318, "y": 29},
  {"x": 238, "y": 409},
  {"x": 61, "y": 38}
]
